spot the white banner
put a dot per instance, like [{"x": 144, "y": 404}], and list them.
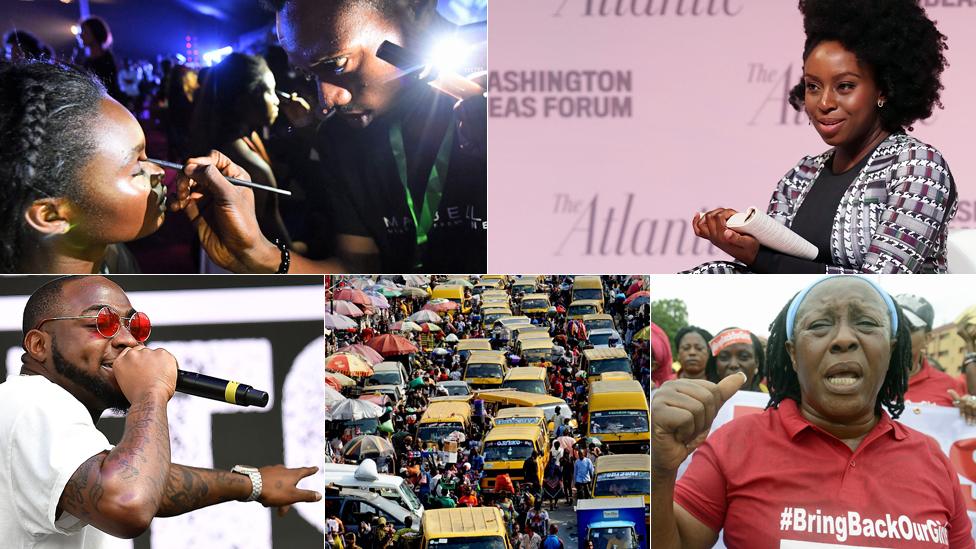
[{"x": 944, "y": 424}]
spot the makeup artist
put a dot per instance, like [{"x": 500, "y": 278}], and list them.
[
  {"x": 878, "y": 201},
  {"x": 404, "y": 165}
]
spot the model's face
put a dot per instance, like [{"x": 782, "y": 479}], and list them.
[
  {"x": 338, "y": 47},
  {"x": 739, "y": 357},
  {"x": 81, "y": 355},
  {"x": 841, "y": 348},
  {"x": 841, "y": 96},
  {"x": 117, "y": 202},
  {"x": 692, "y": 354},
  {"x": 269, "y": 99}
]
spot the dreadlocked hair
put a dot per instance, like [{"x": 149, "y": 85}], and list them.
[
  {"x": 46, "y": 110},
  {"x": 783, "y": 382},
  {"x": 711, "y": 367}
]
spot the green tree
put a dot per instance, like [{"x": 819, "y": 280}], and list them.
[{"x": 671, "y": 315}]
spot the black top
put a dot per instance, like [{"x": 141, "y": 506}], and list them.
[
  {"x": 813, "y": 221},
  {"x": 367, "y": 197}
]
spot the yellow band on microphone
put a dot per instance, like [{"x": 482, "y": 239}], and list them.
[{"x": 230, "y": 393}]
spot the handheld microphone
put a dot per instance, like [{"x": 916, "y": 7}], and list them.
[{"x": 231, "y": 392}]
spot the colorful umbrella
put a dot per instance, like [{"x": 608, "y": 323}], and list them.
[
  {"x": 353, "y": 409},
  {"x": 343, "y": 380},
  {"x": 392, "y": 345},
  {"x": 440, "y": 305},
  {"x": 378, "y": 301},
  {"x": 413, "y": 292},
  {"x": 360, "y": 283},
  {"x": 358, "y": 297},
  {"x": 416, "y": 280},
  {"x": 644, "y": 334},
  {"x": 428, "y": 327},
  {"x": 341, "y": 307},
  {"x": 637, "y": 300},
  {"x": 405, "y": 326},
  {"x": 332, "y": 396},
  {"x": 364, "y": 351},
  {"x": 637, "y": 295},
  {"x": 333, "y": 383},
  {"x": 451, "y": 338},
  {"x": 339, "y": 322},
  {"x": 459, "y": 282},
  {"x": 348, "y": 364},
  {"x": 375, "y": 398},
  {"x": 425, "y": 316},
  {"x": 367, "y": 446}
]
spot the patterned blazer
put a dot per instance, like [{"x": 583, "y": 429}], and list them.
[{"x": 894, "y": 218}]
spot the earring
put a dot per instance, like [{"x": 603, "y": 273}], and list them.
[{"x": 881, "y": 103}]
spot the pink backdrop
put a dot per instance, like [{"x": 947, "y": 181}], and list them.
[{"x": 709, "y": 126}]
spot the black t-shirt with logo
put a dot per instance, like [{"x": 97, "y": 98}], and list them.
[{"x": 368, "y": 198}]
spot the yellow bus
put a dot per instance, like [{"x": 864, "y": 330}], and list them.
[
  {"x": 529, "y": 379},
  {"x": 623, "y": 475},
  {"x": 452, "y": 293},
  {"x": 464, "y": 528},
  {"x": 505, "y": 449},
  {"x": 582, "y": 307},
  {"x": 619, "y": 416},
  {"x": 596, "y": 362},
  {"x": 443, "y": 418},
  {"x": 534, "y": 304},
  {"x": 588, "y": 287},
  {"x": 485, "y": 369}
]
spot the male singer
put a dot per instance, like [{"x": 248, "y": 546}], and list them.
[{"x": 62, "y": 483}]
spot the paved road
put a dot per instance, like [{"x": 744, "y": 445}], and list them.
[{"x": 565, "y": 518}]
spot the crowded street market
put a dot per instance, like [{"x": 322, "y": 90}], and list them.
[{"x": 489, "y": 412}]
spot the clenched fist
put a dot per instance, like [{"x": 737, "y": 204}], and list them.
[
  {"x": 682, "y": 414},
  {"x": 141, "y": 370}
]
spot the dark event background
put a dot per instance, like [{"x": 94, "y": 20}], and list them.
[{"x": 292, "y": 330}]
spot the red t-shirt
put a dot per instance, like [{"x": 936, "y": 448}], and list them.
[
  {"x": 931, "y": 385},
  {"x": 773, "y": 480}
]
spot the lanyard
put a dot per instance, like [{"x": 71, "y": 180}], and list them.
[{"x": 435, "y": 182}]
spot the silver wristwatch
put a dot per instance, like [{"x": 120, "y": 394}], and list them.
[{"x": 255, "y": 477}]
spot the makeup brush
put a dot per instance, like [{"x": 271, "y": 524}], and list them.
[{"x": 233, "y": 180}]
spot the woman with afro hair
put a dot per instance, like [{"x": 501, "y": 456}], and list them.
[{"x": 879, "y": 200}]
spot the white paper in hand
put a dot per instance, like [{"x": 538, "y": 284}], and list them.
[{"x": 771, "y": 234}]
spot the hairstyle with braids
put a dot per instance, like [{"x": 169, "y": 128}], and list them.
[
  {"x": 711, "y": 367},
  {"x": 783, "y": 382},
  {"x": 46, "y": 110}
]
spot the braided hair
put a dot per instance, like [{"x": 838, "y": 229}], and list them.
[
  {"x": 711, "y": 367},
  {"x": 783, "y": 382},
  {"x": 46, "y": 110}
]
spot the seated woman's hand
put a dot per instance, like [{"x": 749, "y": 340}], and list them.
[
  {"x": 223, "y": 215},
  {"x": 712, "y": 227}
]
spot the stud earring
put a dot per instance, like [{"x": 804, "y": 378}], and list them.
[{"x": 881, "y": 103}]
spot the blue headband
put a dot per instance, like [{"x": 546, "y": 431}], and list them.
[{"x": 795, "y": 304}]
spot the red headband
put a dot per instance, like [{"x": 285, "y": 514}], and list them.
[{"x": 729, "y": 337}]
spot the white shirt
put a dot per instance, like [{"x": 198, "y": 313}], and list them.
[{"x": 45, "y": 435}]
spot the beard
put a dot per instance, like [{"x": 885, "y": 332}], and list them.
[{"x": 99, "y": 388}]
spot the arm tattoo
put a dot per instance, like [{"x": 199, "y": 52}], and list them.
[
  {"x": 190, "y": 488},
  {"x": 135, "y": 470}
]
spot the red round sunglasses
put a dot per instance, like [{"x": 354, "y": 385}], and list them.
[{"x": 108, "y": 323}]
